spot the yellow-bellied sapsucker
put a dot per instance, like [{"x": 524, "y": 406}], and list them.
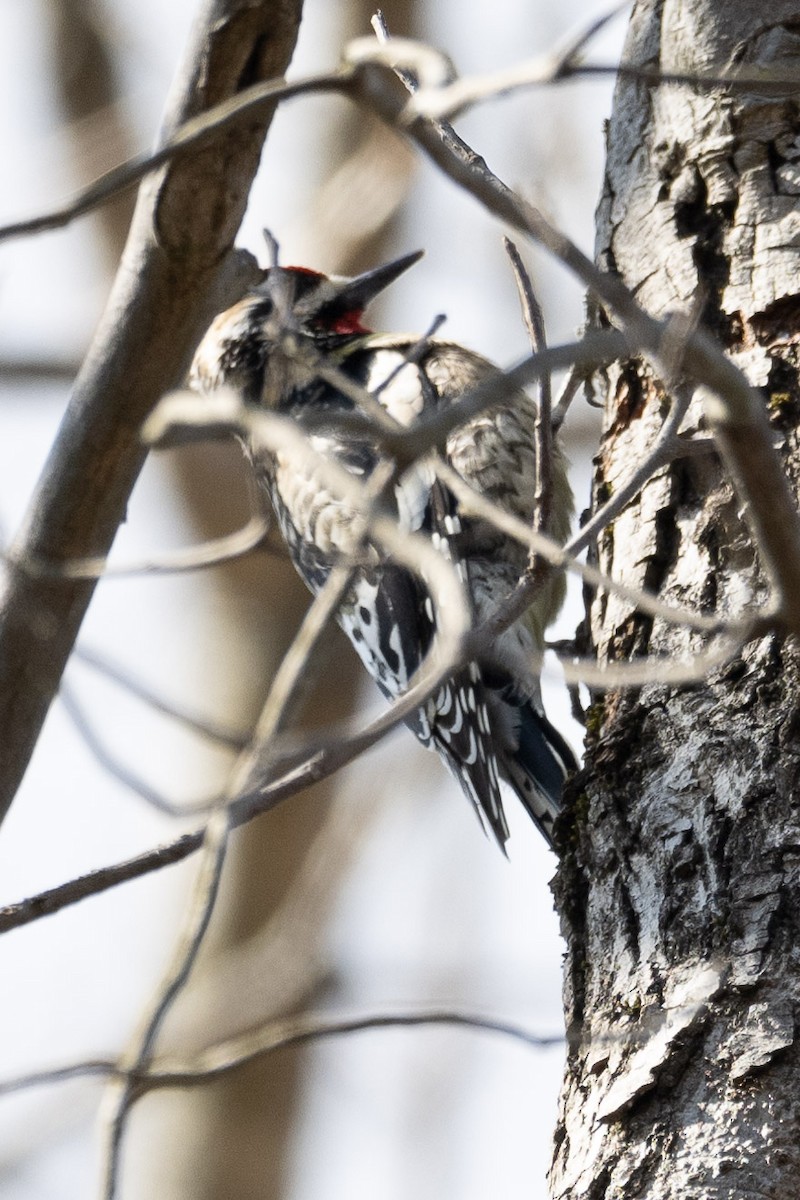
[{"x": 487, "y": 720}]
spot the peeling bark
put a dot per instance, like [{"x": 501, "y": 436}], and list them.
[{"x": 680, "y": 886}]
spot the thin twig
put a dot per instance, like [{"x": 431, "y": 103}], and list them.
[
  {"x": 121, "y": 1092},
  {"x": 94, "y": 883},
  {"x": 440, "y": 102},
  {"x": 381, "y": 31},
  {"x": 414, "y": 353},
  {"x": 434, "y": 103},
  {"x": 577, "y": 376},
  {"x": 229, "y": 1056},
  {"x": 249, "y": 102},
  {"x": 235, "y": 739},
  {"x": 543, "y": 429},
  {"x": 213, "y": 552},
  {"x": 431, "y": 432},
  {"x": 121, "y": 772},
  {"x": 477, "y": 505},
  {"x": 294, "y": 1031},
  {"x": 654, "y": 669},
  {"x": 102, "y": 1068},
  {"x": 660, "y": 454}
]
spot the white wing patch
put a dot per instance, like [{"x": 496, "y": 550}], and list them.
[
  {"x": 398, "y": 386},
  {"x": 413, "y": 493}
]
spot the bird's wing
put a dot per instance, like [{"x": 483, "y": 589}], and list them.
[{"x": 458, "y": 714}]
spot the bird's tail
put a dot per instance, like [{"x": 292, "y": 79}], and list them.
[{"x": 538, "y": 767}]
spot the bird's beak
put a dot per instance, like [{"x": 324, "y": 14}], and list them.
[{"x": 353, "y": 295}]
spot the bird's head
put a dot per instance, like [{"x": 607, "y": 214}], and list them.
[{"x": 267, "y": 342}]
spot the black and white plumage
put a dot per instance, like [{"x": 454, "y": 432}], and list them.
[{"x": 487, "y": 720}]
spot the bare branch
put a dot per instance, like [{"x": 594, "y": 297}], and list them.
[
  {"x": 213, "y": 552},
  {"x": 577, "y": 376},
  {"x": 118, "y": 770},
  {"x": 439, "y": 99},
  {"x": 237, "y": 1052},
  {"x": 277, "y": 1035},
  {"x": 472, "y": 502},
  {"x": 121, "y": 1092},
  {"x": 435, "y": 103},
  {"x": 251, "y": 102},
  {"x": 543, "y": 430},
  {"x": 652, "y": 669},
  {"x": 202, "y": 725},
  {"x": 102, "y": 1068},
  {"x": 94, "y": 883}
]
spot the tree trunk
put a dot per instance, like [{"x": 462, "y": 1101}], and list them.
[{"x": 680, "y": 887}]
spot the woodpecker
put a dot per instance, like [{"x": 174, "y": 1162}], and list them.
[{"x": 486, "y": 721}]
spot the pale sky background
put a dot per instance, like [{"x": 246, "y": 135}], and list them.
[{"x": 432, "y": 912}]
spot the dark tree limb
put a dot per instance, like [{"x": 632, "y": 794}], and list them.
[{"x": 178, "y": 268}]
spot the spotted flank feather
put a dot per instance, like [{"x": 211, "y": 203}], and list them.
[{"x": 386, "y": 620}]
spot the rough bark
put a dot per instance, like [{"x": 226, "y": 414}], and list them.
[{"x": 680, "y": 886}]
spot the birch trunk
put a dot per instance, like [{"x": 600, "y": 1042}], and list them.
[{"x": 679, "y": 890}]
